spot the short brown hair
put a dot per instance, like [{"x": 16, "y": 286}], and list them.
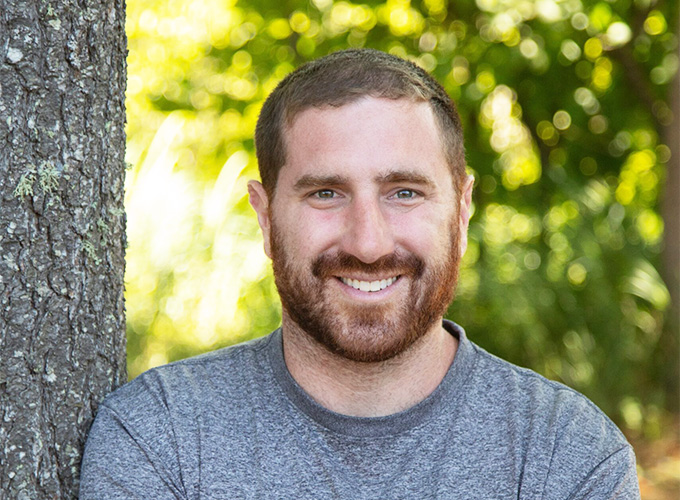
[{"x": 344, "y": 77}]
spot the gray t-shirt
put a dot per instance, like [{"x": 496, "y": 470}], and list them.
[{"x": 234, "y": 424}]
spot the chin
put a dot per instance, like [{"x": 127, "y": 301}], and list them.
[{"x": 367, "y": 340}]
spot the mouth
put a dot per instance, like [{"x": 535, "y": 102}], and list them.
[{"x": 369, "y": 286}]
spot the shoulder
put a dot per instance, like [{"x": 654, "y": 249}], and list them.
[
  {"x": 146, "y": 436},
  {"x": 529, "y": 395},
  {"x": 187, "y": 382},
  {"x": 562, "y": 435}
]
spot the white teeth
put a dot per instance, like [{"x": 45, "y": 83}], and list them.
[{"x": 369, "y": 286}]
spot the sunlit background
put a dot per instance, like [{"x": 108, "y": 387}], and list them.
[{"x": 565, "y": 107}]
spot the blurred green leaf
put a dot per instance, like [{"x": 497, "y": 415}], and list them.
[{"x": 563, "y": 103}]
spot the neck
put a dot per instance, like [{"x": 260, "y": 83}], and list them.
[{"x": 368, "y": 389}]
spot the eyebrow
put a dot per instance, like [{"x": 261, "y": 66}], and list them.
[
  {"x": 310, "y": 181},
  {"x": 408, "y": 176},
  {"x": 318, "y": 181}
]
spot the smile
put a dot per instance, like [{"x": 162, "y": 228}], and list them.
[{"x": 369, "y": 286}]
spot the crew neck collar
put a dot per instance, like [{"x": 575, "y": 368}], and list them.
[{"x": 396, "y": 423}]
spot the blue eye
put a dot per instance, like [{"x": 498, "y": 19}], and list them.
[
  {"x": 405, "y": 194},
  {"x": 325, "y": 194}
]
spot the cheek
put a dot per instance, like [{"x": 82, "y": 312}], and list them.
[
  {"x": 309, "y": 232},
  {"x": 424, "y": 233}
]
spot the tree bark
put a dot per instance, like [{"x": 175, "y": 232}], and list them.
[
  {"x": 671, "y": 249},
  {"x": 62, "y": 234}
]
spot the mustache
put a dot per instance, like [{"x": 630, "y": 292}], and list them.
[{"x": 336, "y": 264}]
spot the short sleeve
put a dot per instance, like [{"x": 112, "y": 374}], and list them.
[
  {"x": 615, "y": 478},
  {"x": 130, "y": 451},
  {"x": 591, "y": 458}
]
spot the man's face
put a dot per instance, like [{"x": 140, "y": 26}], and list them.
[{"x": 365, "y": 228}]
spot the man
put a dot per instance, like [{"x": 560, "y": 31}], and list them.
[{"x": 365, "y": 391}]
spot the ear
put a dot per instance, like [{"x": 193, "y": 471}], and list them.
[
  {"x": 260, "y": 202},
  {"x": 464, "y": 220}
]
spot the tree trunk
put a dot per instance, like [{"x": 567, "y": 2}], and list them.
[
  {"x": 62, "y": 234},
  {"x": 671, "y": 249}
]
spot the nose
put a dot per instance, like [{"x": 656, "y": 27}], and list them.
[{"x": 368, "y": 235}]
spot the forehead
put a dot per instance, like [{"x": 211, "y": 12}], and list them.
[{"x": 365, "y": 136}]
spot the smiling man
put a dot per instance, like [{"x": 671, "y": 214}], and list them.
[
  {"x": 365, "y": 391},
  {"x": 368, "y": 275}
]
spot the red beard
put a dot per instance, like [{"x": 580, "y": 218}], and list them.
[{"x": 366, "y": 332}]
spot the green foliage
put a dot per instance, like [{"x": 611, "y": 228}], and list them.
[{"x": 564, "y": 105}]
